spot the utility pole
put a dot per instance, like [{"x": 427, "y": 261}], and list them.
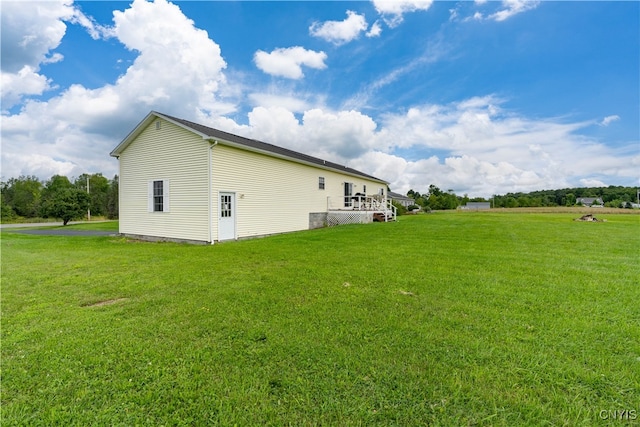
[{"x": 89, "y": 208}]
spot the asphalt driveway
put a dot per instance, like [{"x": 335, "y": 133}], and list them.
[{"x": 29, "y": 229}]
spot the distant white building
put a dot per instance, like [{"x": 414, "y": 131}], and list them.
[
  {"x": 399, "y": 198},
  {"x": 477, "y": 206},
  {"x": 589, "y": 201}
]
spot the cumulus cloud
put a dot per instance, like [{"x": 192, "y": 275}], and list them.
[
  {"x": 477, "y": 146},
  {"x": 30, "y": 33},
  {"x": 340, "y": 32},
  {"x": 336, "y": 136},
  {"x": 25, "y": 82},
  {"x": 29, "y": 36},
  {"x": 392, "y": 11},
  {"x": 485, "y": 147},
  {"x": 288, "y": 62},
  {"x": 81, "y": 124}
]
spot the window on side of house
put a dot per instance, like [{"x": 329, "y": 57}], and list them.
[
  {"x": 158, "y": 195},
  {"x": 321, "y": 183}
]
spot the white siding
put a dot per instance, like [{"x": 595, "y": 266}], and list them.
[
  {"x": 275, "y": 195},
  {"x": 168, "y": 153}
]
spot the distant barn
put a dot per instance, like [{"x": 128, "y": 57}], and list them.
[{"x": 477, "y": 206}]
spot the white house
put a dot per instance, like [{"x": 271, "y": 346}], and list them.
[
  {"x": 187, "y": 182},
  {"x": 477, "y": 206},
  {"x": 401, "y": 199},
  {"x": 589, "y": 201}
]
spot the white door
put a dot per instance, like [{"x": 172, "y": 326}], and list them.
[{"x": 227, "y": 216}]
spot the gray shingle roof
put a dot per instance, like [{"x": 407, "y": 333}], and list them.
[{"x": 264, "y": 147}]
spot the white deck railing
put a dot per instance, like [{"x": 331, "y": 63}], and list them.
[{"x": 375, "y": 203}]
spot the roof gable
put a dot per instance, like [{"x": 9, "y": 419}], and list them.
[{"x": 237, "y": 141}]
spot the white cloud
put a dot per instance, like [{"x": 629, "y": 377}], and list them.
[
  {"x": 340, "y": 32},
  {"x": 25, "y": 82},
  {"x": 512, "y": 8},
  {"x": 588, "y": 182},
  {"x": 335, "y": 136},
  {"x": 481, "y": 148},
  {"x": 609, "y": 119},
  {"x": 82, "y": 125},
  {"x": 506, "y": 10},
  {"x": 29, "y": 35},
  {"x": 487, "y": 148},
  {"x": 95, "y": 30},
  {"x": 392, "y": 11},
  {"x": 375, "y": 30},
  {"x": 289, "y": 102},
  {"x": 433, "y": 52},
  {"x": 288, "y": 62}
]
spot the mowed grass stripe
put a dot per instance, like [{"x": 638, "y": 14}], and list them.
[{"x": 441, "y": 319}]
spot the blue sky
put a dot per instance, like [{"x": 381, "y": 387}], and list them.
[{"x": 481, "y": 97}]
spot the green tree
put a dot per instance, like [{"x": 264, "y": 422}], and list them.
[
  {"x": 66, "y": 204},
  {"x": 400, "y": 209},
  {"x": 23, "y": 195},
  {"x": 510, "y": 202},
  {"x": 56, "y": 183},
  {"x": 60, "y": 199},
  {"x": 570, "y": 199},
  {"x": 98, "y": 191},
  {"x": 112, "y": 198},
  {"x": 6, "y": 211}
]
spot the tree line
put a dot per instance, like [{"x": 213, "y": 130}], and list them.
[
  {"x": 59, "y": 197},
  {"x": 613, "y": 196}
]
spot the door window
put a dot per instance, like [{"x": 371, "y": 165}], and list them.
[{"x": 225, "y": 206}]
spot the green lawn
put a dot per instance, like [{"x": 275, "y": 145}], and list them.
[{"x": 448, "y": 319}]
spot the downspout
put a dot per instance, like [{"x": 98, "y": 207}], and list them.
[{"x": 212, "y": 143}]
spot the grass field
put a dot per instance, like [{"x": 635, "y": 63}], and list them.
[{"x": 447, "y": 319}]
